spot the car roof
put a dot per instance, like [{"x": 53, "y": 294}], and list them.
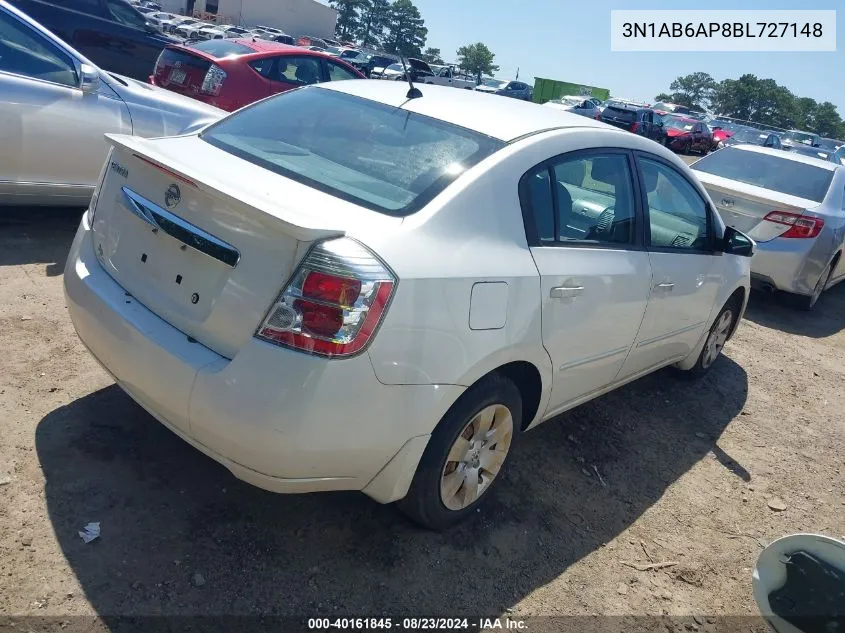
[
  {"x": 504, "y": 119},
  {"x": 794, "y": 156}
]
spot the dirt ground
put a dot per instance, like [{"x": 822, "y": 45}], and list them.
[{"x": 663, "y": 470}]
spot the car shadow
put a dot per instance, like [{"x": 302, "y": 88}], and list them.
[
  {"x": 37, "y": 235},
  {"x": 181, "y": 536},
  {"x": 776, "y": 311}
]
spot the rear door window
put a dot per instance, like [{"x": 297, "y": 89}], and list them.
[
  {"x": 299, "y": 71},
  {"x": 581, "y": 198},
  {"x": 126, "y": 14}
]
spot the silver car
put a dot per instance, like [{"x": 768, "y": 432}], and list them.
[
  {"x": 791, "y": 205},
  {"x": 55, "y": 106}
]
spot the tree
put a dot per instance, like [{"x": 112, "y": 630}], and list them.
[
  {"x": 372, "y": 22},
  {"x": 347, "y": 18},
  {"x": 694, "y": 91},
  {"x": 477, "y": 59},
  {"x": 406, "y": 32},
  {"x": 432, "y": 56},
  {"x": 827, "y": 121}
]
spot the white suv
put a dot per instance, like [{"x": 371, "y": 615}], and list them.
[{"x": 346, "y": 288}]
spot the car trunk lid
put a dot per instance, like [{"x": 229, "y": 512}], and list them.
[
  {"x": 744, "y": 207},
  {"x": 207, "y": 244},
  {"x": 181, "y": 70}
]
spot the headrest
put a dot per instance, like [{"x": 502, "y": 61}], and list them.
[{"x": 606, "y": 169}]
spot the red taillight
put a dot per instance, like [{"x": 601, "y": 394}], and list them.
[
  {"x": 634, "y": 127},
  {"x": 213, "y": 81},
  {"x": 333, "y": 303},
  {"x": 340, "y": 290},
  {"x": 801, "y": 226}
]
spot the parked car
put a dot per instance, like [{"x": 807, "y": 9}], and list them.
[
  {"x": 576, "y": 105},
  {"x": 232, "y": 73},
  {"x": 673, "y": 108},
  {"x": 635, "y": 119},
  {"x": 752, "y": 136},
  {"x": 451, "y": 76},
  {"x": 686, "y": 135},
  {"x": 233, "y": 30},
  {"x": 304, "y": 295},
  {"x": 815, "y": 152},
  {"x": 157, "y": 18},
  {"x": 830, "y": 144},
  {"x": 506, "y": 88},
  {"x": 720, "y": 134},
  {"x": 796, "y": 137},
  {"x": 191, "y": 30},
  {"x": 377, "y": 63},
  {"x": 56, "y": 106},
  {"x": 168, "y": 26},
  {"x": 310, "y": 40},
  {"x": 111, "y": 33},
  {"x": 210, "y": 32},
  {"x": 791, "y": 205}
]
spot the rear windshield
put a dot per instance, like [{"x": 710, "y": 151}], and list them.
[
  {"x": 623, "y": 114},
  {"x": 769, "y": 172},
  {"x": 222, "y": 48},
  {"x": 378, "y": 156}
]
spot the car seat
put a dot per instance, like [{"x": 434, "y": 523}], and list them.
[
  {"x": 607, "y": 228},
  {"x": 307, "y": 72}
]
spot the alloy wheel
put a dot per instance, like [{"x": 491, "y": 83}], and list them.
[
  {"x": 476, "y": 457},
  {"x": 717, "y": 338}
]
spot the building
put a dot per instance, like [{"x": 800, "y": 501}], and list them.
[{"x": 294, "y": 17}]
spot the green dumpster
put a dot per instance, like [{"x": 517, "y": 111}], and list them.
[{"x": 547, "y": 89}]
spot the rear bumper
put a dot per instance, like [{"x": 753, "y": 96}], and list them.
[
  {"x": 791, "y": 265},
  {"x": 279, "y": 419}
]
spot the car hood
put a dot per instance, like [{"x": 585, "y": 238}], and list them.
[
  {"x": 159, "y": 112},
  {"x": 418, "y": 64},
  {"x": 676, "y": 132}
]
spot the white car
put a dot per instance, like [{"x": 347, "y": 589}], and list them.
[
  {"x": 385, "y": 301},
  {"x": 169, "y": 26}
]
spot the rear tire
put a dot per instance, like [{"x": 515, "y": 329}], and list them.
[
  {"x": 687, "y": 147},
  {"x": 463, "y": 461},
  {"x": 718, "y": 335}
]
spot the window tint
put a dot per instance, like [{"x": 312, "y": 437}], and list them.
[
  {"x": 88, "y": 6},
  {"x": 593, "y": 200},
  {"x": 621, "y": 114},
  {"x": 263, "y": 66},
  {"x": 338, "y": 72},
  {"x": 124, "y": 13},
  {"x": 768, "y": 171},
  {"x": 222, "y": 48},
  {"x": 677, "y": 213},
  {"x": 297, "y": 70},
  {"x": 24, "y": 52},
  {"x": 378, "y": 156}
]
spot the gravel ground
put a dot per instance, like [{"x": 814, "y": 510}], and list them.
[{"x": 662, "y": 470}]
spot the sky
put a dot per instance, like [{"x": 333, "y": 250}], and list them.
[{"x": 569, "y": 40}]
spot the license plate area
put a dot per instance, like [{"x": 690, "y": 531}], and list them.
[
  {"x": 164, "y": 273},
  {"x": 177, "y": 76}
]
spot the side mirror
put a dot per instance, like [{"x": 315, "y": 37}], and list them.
[
  {"x": 737, "y": 243},
  {"x": 89, "y": 79}
]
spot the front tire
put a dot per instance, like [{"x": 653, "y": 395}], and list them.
[
  {"x": 718, "y": 335},
  {"x": 466, "y": 454}
]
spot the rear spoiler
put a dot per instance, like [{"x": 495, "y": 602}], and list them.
[{"x": 302, "y": 227}]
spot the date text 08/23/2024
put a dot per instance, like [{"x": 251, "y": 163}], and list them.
[{"x": 417, "y": 624}]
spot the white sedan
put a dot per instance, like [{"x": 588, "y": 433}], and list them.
[{"x": 385, "y": 301}]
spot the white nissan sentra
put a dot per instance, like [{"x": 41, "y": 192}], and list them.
[{"x": 341, "y": 288}]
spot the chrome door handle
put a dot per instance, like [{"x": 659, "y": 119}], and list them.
[
  {"x": 666, "y": 285},
  {"x": 564, "y": 292}
]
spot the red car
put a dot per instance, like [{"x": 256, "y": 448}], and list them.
[
  {"x": 720, "y": 135},
  {"x": 230, "y": 74},
  {"x": 685, "y": 135}
]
